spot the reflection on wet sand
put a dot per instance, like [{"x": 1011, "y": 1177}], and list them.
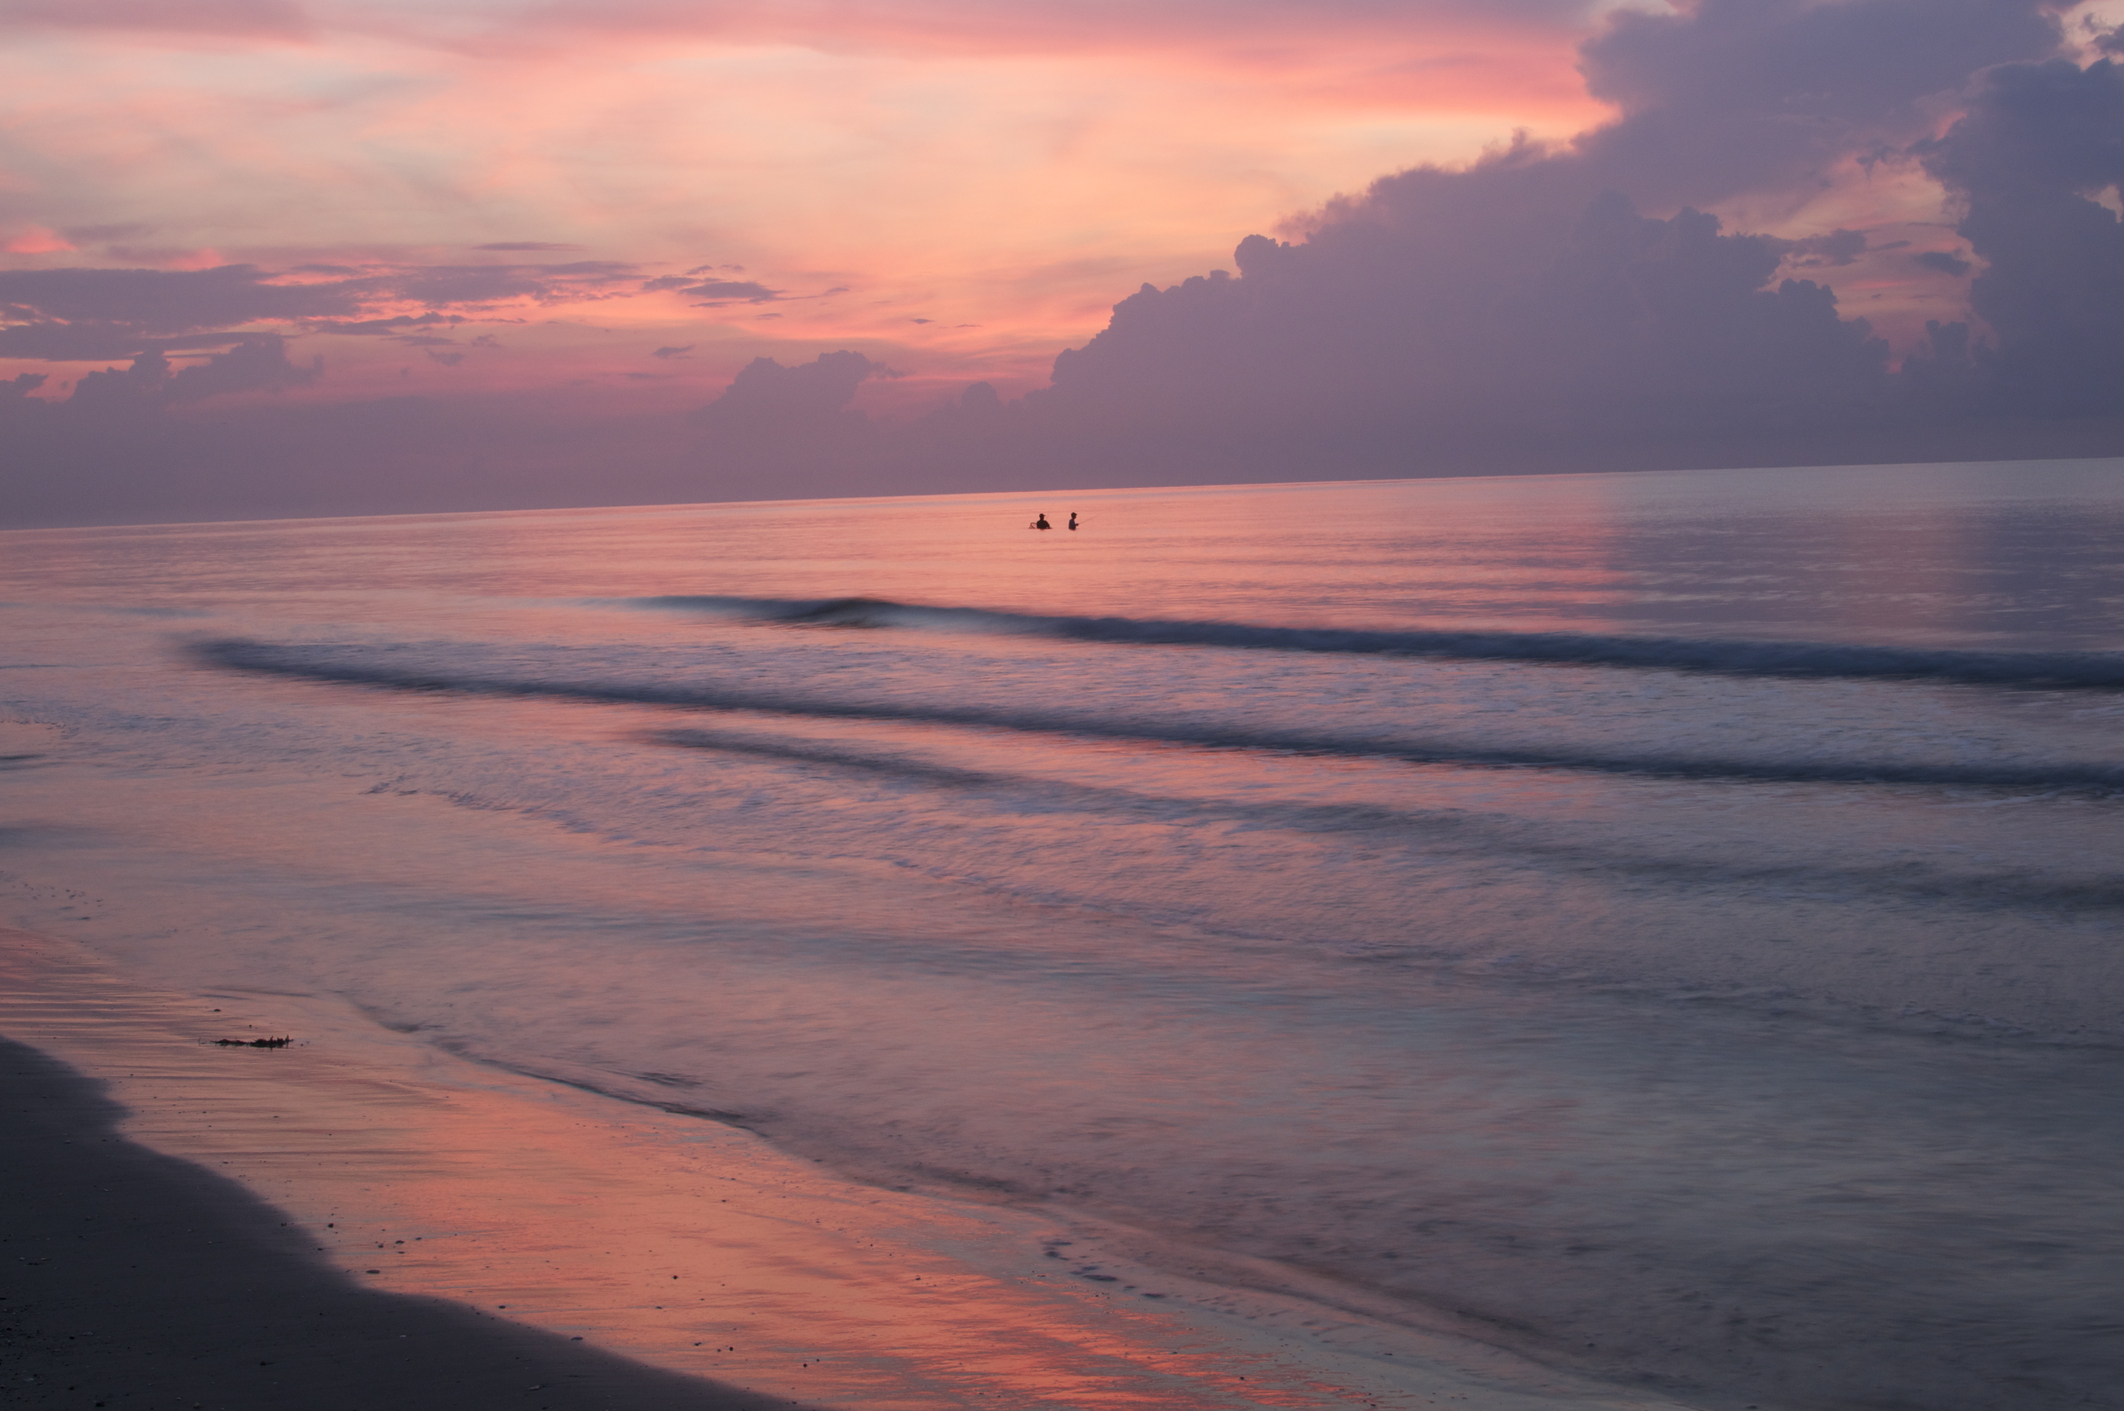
[{"x": 695, "y": 1246}]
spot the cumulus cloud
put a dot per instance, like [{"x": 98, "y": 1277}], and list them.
[
  {"x": 150, "y": 383},
  {"x": 1575, "y": 305},
  {"x": 1548, "y": 301},
  {"x": 766, "y": 396},
  {"x": 1563, "y": 305},
  {"x": 2039, "y": 144},
  {"x": 1631, "y": 324}
]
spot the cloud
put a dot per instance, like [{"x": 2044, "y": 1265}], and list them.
[
  {"x": 732, "y": 291},
  {"x": 254, "y": 365},
  {"x": 384, "y": 326},
  {"x": 1675, "y": 285},
  {"x": 767, "y": 396},
  {"x": 526, "y": 245},
  {"x": 95, "y": 342},
  {"x": 1523, "y": 308},
  {"x": 1728, "y": 96},
  {"x": 1835, "y": 250},
  {"x": 149, "y": 301},
  {"x": 149, "y": 385},
  {"x": 1253, "y": 28},
  {"x": 1630, "y": 323},
  {"x": 1563, "y": 306},
  {"x": 277, "y": 19},
  {"x": 81, "y": 313},
  {"x": 2038, "y": 144}
]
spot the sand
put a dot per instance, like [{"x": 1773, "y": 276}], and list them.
[
  {"x": 131, "y": 1279},
  {"x": 363, "y": 1220}
]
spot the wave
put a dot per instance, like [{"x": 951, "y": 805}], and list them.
[
  {"x": 1722, "y": 656},
  {"x": 1997, "y": 888},
  {"x": 371, "y": 666}
]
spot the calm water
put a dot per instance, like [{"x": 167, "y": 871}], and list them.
[{"x": 1667, "y": 924}]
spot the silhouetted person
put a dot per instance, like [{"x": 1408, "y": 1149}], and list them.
[
  {"x": 1041, "y": 522},
  {"x": 1073, "y": 519}
]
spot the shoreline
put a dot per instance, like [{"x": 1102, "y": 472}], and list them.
[
  {"x": 138, "y": 1279},
  {"x": 507, "y": 1223}
]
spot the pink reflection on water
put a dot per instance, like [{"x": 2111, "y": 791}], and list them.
[{"x": 693, "y": 1245}]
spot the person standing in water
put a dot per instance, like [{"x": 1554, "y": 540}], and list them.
[
  {"x": 1041, "y": 522},
  {"x": 1073, "y": 519}
]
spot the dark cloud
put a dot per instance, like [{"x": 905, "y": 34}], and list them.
[
  {"x": 1549, "y": 304},
  {"x": 150, "y": 301},
  {"x": 1549, "y": 307},
  {"x": 96, "y": 314},
  {"x": 1731, "y": 96},
  {"x": 779, "y": 431},
  {"x": 385, "y": 326},
  {"x": 1943, "y": 262},
  {"x": 1567, "y": 307},
  {"x": 1632, "y": 322},
  {"x": 493, "y": 284},
  {"x": 95, "y": 342},
  {"x": 254, "y": 365},
  {"x": 1832, "y": 251},
  {"x": 732, "y": 291},
  {"x": 673, "y": 352},
  {"x": 2038, "y": 144},
  {"x": 149, "y": 385},
  {"x": 525, "y": 246},
  {"x": 767, "y": 395}
]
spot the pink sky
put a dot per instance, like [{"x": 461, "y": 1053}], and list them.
[
  {"x": 665, "y": 190},
  {"x": 957, "y": 189}
]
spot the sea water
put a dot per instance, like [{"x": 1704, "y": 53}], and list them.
[{"x": 1663, "y": 924}]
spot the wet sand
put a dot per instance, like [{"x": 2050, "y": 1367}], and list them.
[
  {"x": 132, "y": 1279},
  {"x": 359, "y": 1220}
]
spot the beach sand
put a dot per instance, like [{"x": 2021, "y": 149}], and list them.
[
  {"x": 361, "y": 1220},
  {"x": 132, "y": 1279}
]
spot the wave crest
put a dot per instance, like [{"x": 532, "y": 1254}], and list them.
[
  {"x": 372, "y": 666},
  {"x": 1721, "y": 656}
]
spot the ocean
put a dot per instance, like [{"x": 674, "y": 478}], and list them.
[{"x": 1665, "y": 926}]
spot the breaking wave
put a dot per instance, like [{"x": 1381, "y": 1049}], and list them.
[
  {"x": 1726, "y": 656},
  {"x": 372, "y": 666}
]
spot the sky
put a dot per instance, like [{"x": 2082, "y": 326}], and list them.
[{"x": 264, "y": 257}]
